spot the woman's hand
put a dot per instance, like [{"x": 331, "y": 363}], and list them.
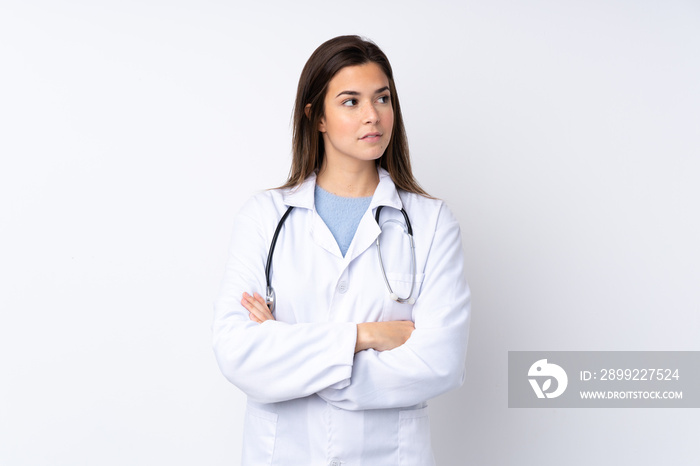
[
  {"x": 383, "y": 336},
  {"x": 256, "y": 305}
]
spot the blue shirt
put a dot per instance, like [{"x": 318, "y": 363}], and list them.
[{"x": 342, "y": 215}]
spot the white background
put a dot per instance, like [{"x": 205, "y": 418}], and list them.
[{"x": 563, "y": 134}]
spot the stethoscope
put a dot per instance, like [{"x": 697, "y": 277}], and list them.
[{"x": 408, "y": 230}]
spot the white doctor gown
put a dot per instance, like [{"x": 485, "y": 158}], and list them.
[{"x": 311, "y": 400}]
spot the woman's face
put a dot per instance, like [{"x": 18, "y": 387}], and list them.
[{"x": 358, "y": 116}]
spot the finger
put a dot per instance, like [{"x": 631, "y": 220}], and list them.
[
  {"x": 245, "y": 302},
  {"x": 260, "y": 299},
  {"x": 254, "y": 312},
  {"x": 251, "y": 305},
  {"x": 259, "y": 309},
  {"x": 263, "y": 305}
]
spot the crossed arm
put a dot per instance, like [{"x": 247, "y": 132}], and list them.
[{"x": 380, "y": 336}]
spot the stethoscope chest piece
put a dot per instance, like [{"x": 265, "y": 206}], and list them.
[{"x": 270, "y": 298}]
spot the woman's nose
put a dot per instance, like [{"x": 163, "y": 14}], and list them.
[{"x": 370, "y": 114}]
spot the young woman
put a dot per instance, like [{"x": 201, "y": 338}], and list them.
[{"x": 368, "y": 323}]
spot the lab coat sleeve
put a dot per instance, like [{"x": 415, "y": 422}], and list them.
[
  {"x": 273, "y": 361},
  {"x": 432, "y": 361}
]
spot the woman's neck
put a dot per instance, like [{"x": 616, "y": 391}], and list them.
[{"x": 359, "y": 180}]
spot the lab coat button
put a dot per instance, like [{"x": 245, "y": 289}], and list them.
[
  {"x": 342, "y": 287},
  {"x": 334, "y": 462}
]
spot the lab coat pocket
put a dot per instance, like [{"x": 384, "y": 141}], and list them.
[
  {"x": 401, "y": 285},
  {"x": 259, "y": 433},
  {"x": 414, "y": 438}
]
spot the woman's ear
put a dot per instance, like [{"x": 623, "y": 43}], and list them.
[{"x": 321, "y": 124}]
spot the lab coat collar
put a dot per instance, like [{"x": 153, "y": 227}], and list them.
[
  {"x": 302, "y": 195},
  {"x": 385, "y": 194}
]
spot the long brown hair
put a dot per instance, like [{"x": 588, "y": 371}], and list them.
[{"x": 307, "y": 144}]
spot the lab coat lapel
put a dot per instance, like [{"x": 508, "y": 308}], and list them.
[
  {"x": 368, "y": 230},
  {"x": 323, "y": 237},
  {"x": 303, "y": 196}
]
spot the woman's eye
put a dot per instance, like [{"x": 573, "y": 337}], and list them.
[
  {"x": 350, "y": 102},
  {"x": 384, "y": 99}
]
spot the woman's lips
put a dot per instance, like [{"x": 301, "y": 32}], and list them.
[{"x": 371, "y": 137}]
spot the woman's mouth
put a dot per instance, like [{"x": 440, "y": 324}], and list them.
[{"x": 371, "y": 137}]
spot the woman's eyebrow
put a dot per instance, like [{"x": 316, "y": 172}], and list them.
[{"x": 385, "y": 88}]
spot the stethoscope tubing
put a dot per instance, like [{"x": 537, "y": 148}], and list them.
[
  {"x": 409, "y": 231},
  {"x": 270, "y": 292},
  {"x": 274, "y": 242},
  {"x": 270, "y": 297}
]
